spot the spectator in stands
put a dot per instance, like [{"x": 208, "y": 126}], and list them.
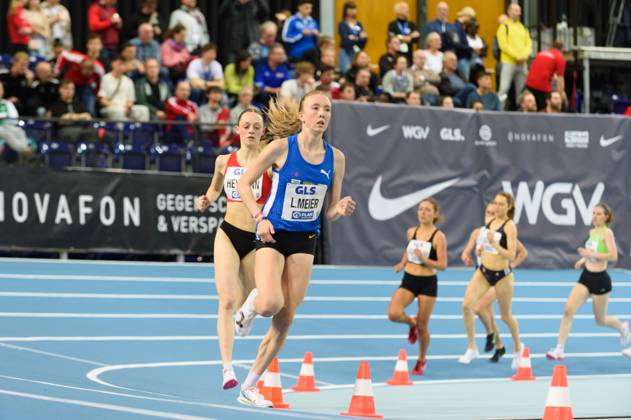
[
  {"x": 239, "y": 23},
  {"x": 239, "y": 74},
  {"x": 425, "y": 81},
  {"x": 195, "y": 23},
  {"x": 547, "y": 67},
  {"x": 384, "y": 98},
  {"x": 117, "y": 96},
  {"x": 443, "y": 28},
  {"x": 86, "y": 74},
  {"x": 433, "y": 55},
  {"x": 323, "y": 55},
  {"x": 413, "y": 98},
  {"x": 18, "y": 27},
  {"x": 14, "y": 136},
  {"x": 347, "y": 92},
  {"x": 146, "y": 46},
  {"x": 60, "y": 23},
  {"x": 148, "y": 13},
  {"x": 17, "y": 81},
  {"x": 527, "y": 102},
  {"x": 362, "y": 85},
  {"x": 152, "y": 91},
  {"x": 94, "y": 51},
  {"x": 58, "y": 49},
  {"x": 212, "y": 114},
  {"x": 353, "y": 37},
  {"x": 44, "y": 90},
  {"x": 463, "y": 50},
  {"x": 477, "y": 105},
  {"x": 554, "y": 102},
  {"x": 70, "y": 111},
  {"x": 204, "y": 72},
  {"x": 246, "y": 96},
  {"x": 386, "y": 61},
  {"x": 259, "y": 49},
  {"x": 362, "y": 60},
  {"x": 327, "y": 82},
  {"x": 303, "y": 83},
  {"x": 404, "y": 29},
  {"x": 134, "y": 68},
  {"x": 484, "y": 93},
  {"x": 446, "y": 102},
  {"x": 478, "y": 49},
  {"x": 270, "y": 75},
  {"x": 280, "y": 18},
  {"x": 104, "y": 20},
  {"x": 514, "y": 42},
  {"x": 181, "y": 108},
  {"x": 451, "y": 80},
  {"x": 41, "y": 40},
  {"x": 300, "y": 31},
  {"x": 398, "y": 81},
  {"x": 175, "y": 56}
]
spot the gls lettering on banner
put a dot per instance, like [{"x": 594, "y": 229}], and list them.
[
  {"x": 303, "y": 202},
  {"x": 542, "y": 198}
]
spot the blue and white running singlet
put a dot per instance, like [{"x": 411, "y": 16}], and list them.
[{"x": 298, "y": 190}]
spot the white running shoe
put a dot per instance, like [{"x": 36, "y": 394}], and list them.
[
  {"x": 627, "y": 352},
  {"x": 555, "y": 353},
  {"x": 229, "y": 379},
  {"x": 244, "y": 317},
  {"x": 517, "y": 357},
  {"x": 252, "y": 397},
  {"x": 468, "y": 356},
  {"x": 625, "y": 335}
]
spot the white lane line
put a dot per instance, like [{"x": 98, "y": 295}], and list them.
[
  {"x": 171, "y": 400},
  {"x": 94, "y": 375},
  {"x": 86, "y": 315},
  {"x": 294, "y": 337},
  {"x": 215, "y": 297},
  {"x": 109, "y": 407},
  {"x": 51, "y": 354},
  {"x": 327, "y": 282}
]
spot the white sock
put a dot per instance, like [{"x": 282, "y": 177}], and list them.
[
  {"x": 560, "y": 347},
  {"x": 227, "y": 366},
  {"x": 250, "y": 381}
]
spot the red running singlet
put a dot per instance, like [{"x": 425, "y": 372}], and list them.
[{"x": 261, "y": 188}]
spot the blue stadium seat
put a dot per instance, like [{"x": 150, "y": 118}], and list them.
[
  {"x": 169, "y": 157},
  {"x": 143, "y": 135},
  {"x": 203, "y": 159},
  {"x": 37, "y": 130},
  {"x": 57, "y": 154},
  {"x": 94, "y": 154},
  {"x": 5, "y": 61},
  {"x": 132, "y": 157}
]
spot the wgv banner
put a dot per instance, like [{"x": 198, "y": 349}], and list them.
[
  {"x": 105, "y": 211},
  {"x": 558, "y": 167}
]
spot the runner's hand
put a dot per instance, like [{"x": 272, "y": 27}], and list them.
[
  {"x": 265, "y": 230},
  {"x": 202, "y": 203},
  {"x": 346, "y": 206}
]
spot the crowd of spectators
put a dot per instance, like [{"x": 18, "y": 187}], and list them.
[{"x": 132, "y": 70}]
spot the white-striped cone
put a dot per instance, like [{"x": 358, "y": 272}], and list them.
[
  {"x": 272, "y": 387},
  {"x": 524, "y": 368},
  {"x": 306, "y": 378},
  {"x": 401, "y": 375},
  {"x": 558, "y": 405},
  {"x": 363, "y": 403}
]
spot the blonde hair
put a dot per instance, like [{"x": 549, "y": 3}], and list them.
[
  {"x": 438, "y": 217},
  {"x": 282, "y": 116}
]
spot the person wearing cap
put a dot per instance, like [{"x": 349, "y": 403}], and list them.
[{"x": 462, "y": 49}]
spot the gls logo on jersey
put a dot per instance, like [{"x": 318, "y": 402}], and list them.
[
  {"x": 542, "y": 198},
  {"x": 416, "y": 132},
  {"x": 306, "y": 189}
]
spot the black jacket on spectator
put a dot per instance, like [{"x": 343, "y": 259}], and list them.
[
  {"x": 463, "y": 50},
  {"x": 60, "y": 108},
  {"x": 43, "y": 95},
  {"x": 132, "y": 24},
  {"x": 352, "y": 72},
  {"x": 386, "y": 63},
  {"x": 18, "y": 87},
  {"x": 403, "y": 27},
  {"x": 446, "y": 88},
  {"x": 240, "y": 25}
]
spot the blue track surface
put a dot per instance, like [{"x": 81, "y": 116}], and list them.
[{"x": 67, "y": 329}]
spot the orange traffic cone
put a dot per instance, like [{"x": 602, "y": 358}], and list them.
[
  {"x": 524, "y": 369},
  {"x": 272, "y": 388},
  {"x": 306, "y": 378},
  {"x": 260, "y": 384},
  {"x": 400, "y": 375},
  {"x": 363, "y": 403},
  {"x": 558, "y": 405}
]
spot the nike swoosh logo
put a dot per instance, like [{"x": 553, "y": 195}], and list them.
[
  {"x": 381, "y": 208},
  {"x": 608, "y": 142},
  {"x": 371, "y": 132}
]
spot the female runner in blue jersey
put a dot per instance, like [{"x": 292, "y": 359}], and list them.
[{"x": 305, "y": 169}]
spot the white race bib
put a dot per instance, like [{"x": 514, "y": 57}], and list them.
[
  {"x": 591, "y": 246},
  {"x": 414, "y": 244},
  {"x": 233, "y": 173},
  {"x": 486, "y": 245},
  {"x": 303, "y": 202}
]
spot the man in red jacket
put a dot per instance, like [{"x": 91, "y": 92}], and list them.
[
  {"x": 180, "y": 108},
  {"x": 547, "y": 66},
  {"x": 104, "y": 20},
  {"x": 85, "y": 72}
]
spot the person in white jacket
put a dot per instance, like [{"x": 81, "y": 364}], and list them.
[
  {"x": 13, "y": 135},
  {"x": 194, "y": 21}
]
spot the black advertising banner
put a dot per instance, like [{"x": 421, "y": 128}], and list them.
[
  {"x": 105, "y": 211},
  {"x": 557, "y": 167}
]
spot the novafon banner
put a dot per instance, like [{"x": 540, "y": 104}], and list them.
[
  {"x": 106, "y": 211},
  {"x": 558, "y": 167}
]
